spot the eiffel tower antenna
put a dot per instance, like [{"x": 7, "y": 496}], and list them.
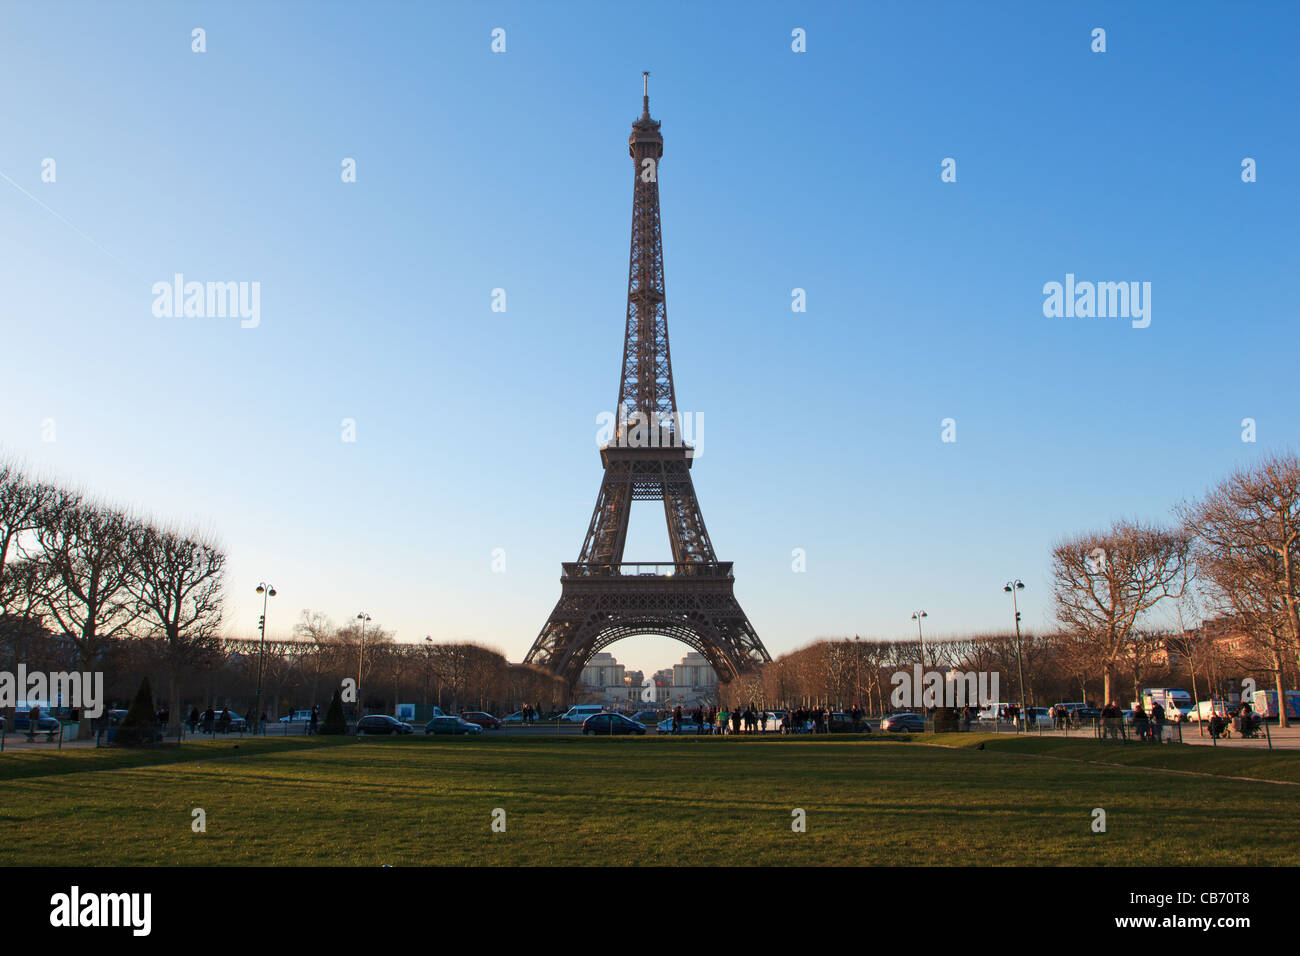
[{"x": 604, "y": 598}]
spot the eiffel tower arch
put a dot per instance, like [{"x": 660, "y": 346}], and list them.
[{"x": 603, "y": 598}]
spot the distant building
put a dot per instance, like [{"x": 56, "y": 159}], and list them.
[
  {"x": 602, "y": 671},
  {"x": 695, "y": 672},
  {"x": 693, "y": 683},
  {"x": 606, "y": 682}
]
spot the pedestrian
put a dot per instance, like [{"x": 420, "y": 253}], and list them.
[
  {"x": 194, "y": 719},
  {"x": 699, "y": 720},
  {"x": 1141, "y": 728},
  {"x": 1157, "y": 721},
  {"x": 315, "y": 718},
  {"x": 677, "y": 719}
]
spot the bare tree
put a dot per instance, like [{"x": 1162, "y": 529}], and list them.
[
  {"x": 317, "y": 629},
  {"x": 178, "y": 584},
  {"x": 24, "y": 506},
  {"x": 88, "y": 562},
  {"x": 1105, "y": 584},
  {"x": 1247, "y": 532}
]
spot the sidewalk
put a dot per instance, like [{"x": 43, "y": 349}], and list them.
[{"x": 1284, "y": 738}]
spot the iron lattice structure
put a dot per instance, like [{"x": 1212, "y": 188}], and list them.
[{"x": 603, "y": 598}]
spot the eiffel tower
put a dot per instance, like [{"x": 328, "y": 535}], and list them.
[{"x": 603, "y": 598}]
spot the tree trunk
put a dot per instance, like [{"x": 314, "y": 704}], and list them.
[{"x": 1281, "y": 691}]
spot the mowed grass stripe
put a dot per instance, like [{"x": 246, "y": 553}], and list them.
[{"x": 669, "y": 802}]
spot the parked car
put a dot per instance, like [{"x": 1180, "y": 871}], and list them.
[
  {"x": 646, "y": 716},
  {"x": 842, "y": 723},
  {"x": 382, "y": 724},
  {"x": 580, "y": 712},
  {"x": 483, "y": 719},
  {"x": 44, "y": 725},
  {"x": 237, "y": 724},
  {"x": 303, "y": 716},
  {"x": 448, "y": 724},
  {"x": 516, "y": 718},
  {"x": 1040, "y": 716},
  {"x": 689, "y": 726},
  {"x": 1080, "y": 713},
  {"x": 904, "y": 722},
  {"x": 610, "y": 724},
  {"x": 1206, "y": 709}
]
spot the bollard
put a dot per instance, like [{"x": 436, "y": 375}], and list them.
[{"x": 1268, "y": 734}]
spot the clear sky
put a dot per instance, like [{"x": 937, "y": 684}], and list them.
[{"x": 820, "y": 170}]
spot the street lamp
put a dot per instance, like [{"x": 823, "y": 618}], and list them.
[
  {"x": 1011, "y": 588},
  {"x": 267, "y": 593},
  {"x": 361, "y": 653},
  {"x": 916, "y": 616}
]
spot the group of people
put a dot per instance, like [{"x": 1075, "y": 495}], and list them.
[
  {"x": 1244, "y": 721},
  {"x": 529, "y": 714},
  {"x": 1149, "y": 727},
  {"x": 755, "y": 720},
  {"x": 211, "y": 722}
]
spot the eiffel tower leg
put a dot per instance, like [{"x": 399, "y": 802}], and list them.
[
  {"x": 686, "y": 532},
  {"x": 607, "y": 533}
]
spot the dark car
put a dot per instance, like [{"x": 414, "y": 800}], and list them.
[
  {"x": 382, "y": 724},
  {"x": 610, "y": 724},
  {"x": 904, "y": 722},
  {"x": 49, "y": 726},
  {"x": 237, "y": 724},
  {"x": 1085, "y": 715},
  {"x": 451, "y": 725},
  {"x": 484, "y": 720},
  {"x": 647, "y": 717}
]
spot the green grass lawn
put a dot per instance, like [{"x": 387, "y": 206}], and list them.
[{"x": 680, "y": 801}]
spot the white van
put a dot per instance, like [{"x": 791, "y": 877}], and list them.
[
  {"x": 1206, "y": 709},
  {"x": 994, "y": 712},
  {"x": 580, "y": 712}
]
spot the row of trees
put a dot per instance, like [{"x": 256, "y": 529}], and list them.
[
  {"x": 1234, "y": 554},
  {"x": 87, "y": 586},
  {"x": 1212, "y": 596},
  {"x": 842, "y": 672},
  {"x": 92, "y": 587},
  {"x": 93, "y": 573}
]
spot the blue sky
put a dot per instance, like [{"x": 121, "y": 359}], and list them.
[{"x": 818, "y": 170}]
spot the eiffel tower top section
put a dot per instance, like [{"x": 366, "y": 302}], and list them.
[{"x": 646, "y": 387}]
